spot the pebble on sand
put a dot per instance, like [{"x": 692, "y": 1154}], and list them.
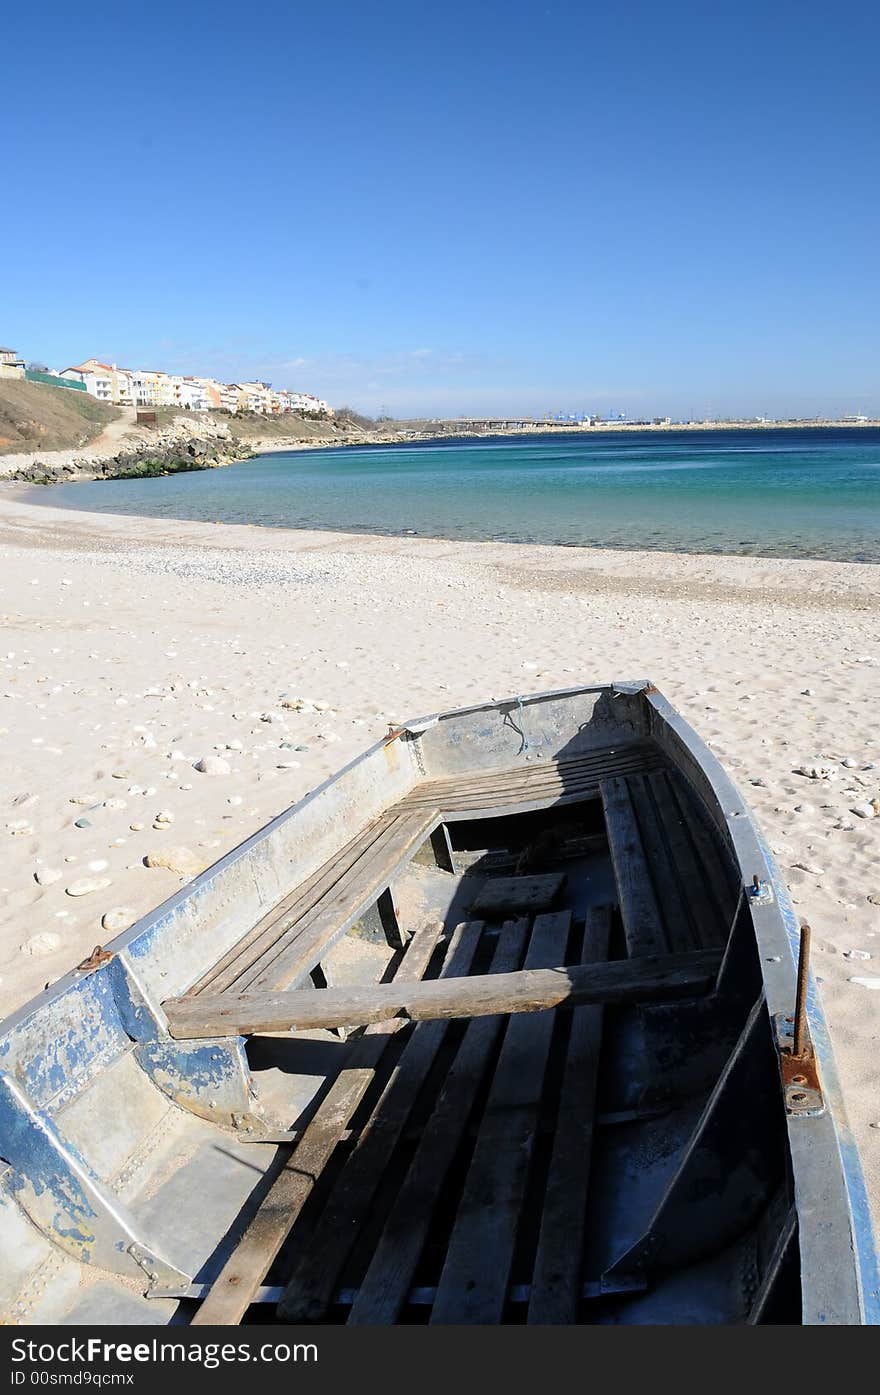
[
  {"x": 863, "y": 810},
  {"x": 44, "y": 943},
  {"x": 45, "y": 876},
  {"x": 817, "y": 769},
  {"x": 118, "y": 919},
  {"x": 212, "y": 765},
  {"x": 86, "y": 885},
  {"x": 177, "y": 859}
]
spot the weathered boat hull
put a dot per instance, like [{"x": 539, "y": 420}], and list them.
[{"x": 654, "y": 1156}]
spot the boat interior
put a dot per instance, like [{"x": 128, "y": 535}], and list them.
[{"x": 619, "y": 1159}]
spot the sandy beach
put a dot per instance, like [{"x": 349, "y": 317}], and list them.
[{"x": 135, "y": 650}]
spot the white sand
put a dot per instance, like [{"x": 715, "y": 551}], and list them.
[{"x": 128, "y": 642}]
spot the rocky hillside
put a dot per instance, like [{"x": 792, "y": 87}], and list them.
[{"x": 34, "y": 416}]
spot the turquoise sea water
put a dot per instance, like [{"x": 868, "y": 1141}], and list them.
[{"x": 776, "y": 493}]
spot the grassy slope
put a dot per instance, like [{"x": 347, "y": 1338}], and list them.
[{"x": 34, "y": 416}]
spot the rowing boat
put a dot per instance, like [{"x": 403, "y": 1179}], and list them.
[{"x": 510, "y": 1021}]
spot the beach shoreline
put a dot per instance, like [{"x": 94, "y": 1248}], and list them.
[{"x": 135, "y": 647}]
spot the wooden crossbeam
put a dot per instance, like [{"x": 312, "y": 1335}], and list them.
[{"x": 643, "y": 979}]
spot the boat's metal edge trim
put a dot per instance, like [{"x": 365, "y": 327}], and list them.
[{"x": 777, "y": 932}]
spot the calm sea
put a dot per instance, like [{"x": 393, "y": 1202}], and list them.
[{"x": 774, "y": 493}]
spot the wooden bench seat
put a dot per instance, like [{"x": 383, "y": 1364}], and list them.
[
  {"x": 289, "y": 941},
  {"x": 538, "y": 784}
]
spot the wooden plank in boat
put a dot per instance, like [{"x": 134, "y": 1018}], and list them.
[
  {"x": 668, "y": 879},
  {"x": 642, "y": 921},
  {"x": 383, "y": 1291},
  {"x": 704, "y": 898},
  {"x": 293, "y": 954},
  {"x": 534, "y": 777},
  {"x": 310, "y": 1290},
  {"x": 286, "y": 912},
  {"x": 645, "y": 978},
  {"x": 531, "y": 796},
  {"x": 717, "y": 873},
  {"x": 554, "y": 1297},
  {"x": 506, "y": 894},
  {"x": 530, "y": 770},
  {"x": 244, "y": 1271},
  {"x": 472, "y": 1287}
]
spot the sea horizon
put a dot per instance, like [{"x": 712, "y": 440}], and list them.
[{"x": 771, "y": 492}]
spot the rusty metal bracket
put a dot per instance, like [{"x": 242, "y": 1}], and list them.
[
  {"x": 98, "y": 957},
  {"x": 801, "y": 1087}
]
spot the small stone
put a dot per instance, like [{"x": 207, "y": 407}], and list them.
[
  {"x": 809, "y": 867},
  {"x": 118, "y": 919},
  {"x": 136, "y": 827},
  {"x": 164, "y": 816},
  {"x": 45, "y": 876},
  {"x": 88, "y": 799},
  {"x": 87, "y": 885},
  {"x": 82, "y": 823},
  {"x": 176, "y": 859},
  {"x": 114, "y": 803},
  {"x": 234, "y": 799},
  {"x": 864, "y": 810},
  {"x": 874, "y": 898},
  {"x": 850, "y": 763},
  {"x": 856, "y": 954},
  {"x": 817, "y": 769},
  {"x": 807, "y": 692},
  {"x": 212, "y": 765},
  {"x": 805, "y": 808},
  {"x": 44, "y": 943},
  {"x": 98, "y": 864}
]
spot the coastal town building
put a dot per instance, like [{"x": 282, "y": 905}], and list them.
[
  {"x": 11, "y": 366},
  {"x": 152, "y": 388},
  {"x": 103, "y": 380}
]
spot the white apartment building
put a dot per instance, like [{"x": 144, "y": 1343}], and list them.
[
  {"x": 151, "y": 388},
  {"x": 257, "y": 397},
  {"x": 143, "y": 387},
  {"x": 102, "y": 380}
]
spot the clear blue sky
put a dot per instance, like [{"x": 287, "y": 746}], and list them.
[{"x": 494, "y": 206}]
